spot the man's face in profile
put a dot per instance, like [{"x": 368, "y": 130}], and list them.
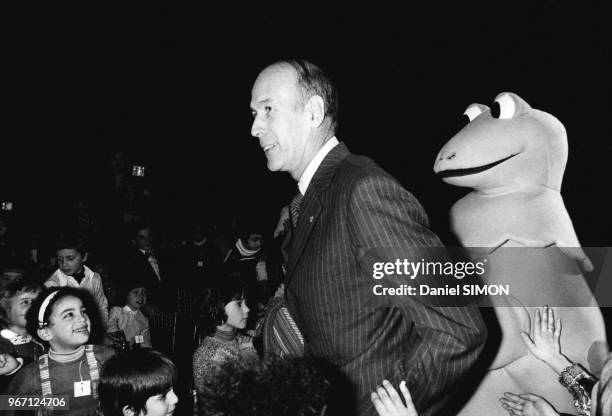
[{"x": 279, "y": 122}]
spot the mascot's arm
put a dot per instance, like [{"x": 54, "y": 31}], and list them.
[{"x": 558, "y": 225}]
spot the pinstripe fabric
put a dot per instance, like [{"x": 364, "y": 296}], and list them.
[{"x": 353, "y": 210}]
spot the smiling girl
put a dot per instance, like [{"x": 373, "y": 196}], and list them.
[{"x": 71, "y": 368}]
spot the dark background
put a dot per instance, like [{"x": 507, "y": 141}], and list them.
[{"x": 171, "y": 85}]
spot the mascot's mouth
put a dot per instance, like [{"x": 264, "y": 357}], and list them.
[{"x": 472, "y": 171}]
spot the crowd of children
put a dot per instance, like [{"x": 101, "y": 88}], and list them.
[{"x": 63, "y": 318}]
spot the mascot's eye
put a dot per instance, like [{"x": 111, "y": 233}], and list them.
[
  {"x": 503, "y": 107},
  {"x": 472, "y": 112}
]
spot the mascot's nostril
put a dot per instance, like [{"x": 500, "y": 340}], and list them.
[{"x": 451, "y": 156}]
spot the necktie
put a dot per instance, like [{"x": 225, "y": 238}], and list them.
[
  {"x": 153, "y": 262},
  {"x": 294, "y": 208}
]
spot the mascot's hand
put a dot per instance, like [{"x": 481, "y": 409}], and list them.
[{"x": 578, "y": 254}]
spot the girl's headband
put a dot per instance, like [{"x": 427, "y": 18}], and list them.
[{"x": 43, "y": 308}]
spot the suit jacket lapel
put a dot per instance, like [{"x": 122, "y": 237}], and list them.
[
  {"x": 309, "y": 215},
  {"x": 311, "y": 207}
]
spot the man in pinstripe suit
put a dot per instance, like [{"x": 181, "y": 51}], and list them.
[{"x": 352, "y": 214}]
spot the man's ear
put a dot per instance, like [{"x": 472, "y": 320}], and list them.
[
  {"x": 85, "y": 256},
  {"x": 316, "y": 107},
  {"x": 128, "y": 411},
  {"x": 44, "y": 334}
]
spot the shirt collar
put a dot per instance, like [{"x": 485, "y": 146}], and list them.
[
  {"x": 14, "y": 337},
  {"x": 312, "y": 167},
  {"x": 63, "y": 278},
  {"x": 129, "y": 310}
]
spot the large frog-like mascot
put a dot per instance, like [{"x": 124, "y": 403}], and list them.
[{"x": 514, "y": 157}]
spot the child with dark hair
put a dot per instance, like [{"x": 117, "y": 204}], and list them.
[
  {"x": 222, "y": 314},
  {"x": 17, "y": 347},
  {"x": 138, "y": 382},
  {"x": 59, "y": 319},
  {"x": 247, "y": 261},
  {"x": 129, "y": 319},
  {"x": 71, "y": 257},
  {"x": 274, "y": 386}
]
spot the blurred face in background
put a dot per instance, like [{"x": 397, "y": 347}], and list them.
[
  {"x": 137, "y": 298},
  {"x": 144, "y": 239},
  {"x": 254, "y": 242},
  {"x": 18, "y": 307},
  {"x": 118, "y": 162}
]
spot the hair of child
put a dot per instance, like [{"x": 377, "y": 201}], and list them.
[
  {"x": 212, "y": 308},
  {"x": 132, "y": 377}
]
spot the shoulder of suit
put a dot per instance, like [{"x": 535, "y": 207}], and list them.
[
  {"x": 361, "y": 166},
  {"x": 357, "y": 169}
]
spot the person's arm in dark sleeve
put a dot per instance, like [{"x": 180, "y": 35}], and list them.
[{"x": 387, "y": 224}]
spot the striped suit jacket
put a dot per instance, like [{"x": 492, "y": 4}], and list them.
[{"x": 354, "y": 213}]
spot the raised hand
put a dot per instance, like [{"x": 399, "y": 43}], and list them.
[
  {"x": 8, "y": 364},
  {"x": 527, "y": 405},
  {"x": 544, "y": 342}
]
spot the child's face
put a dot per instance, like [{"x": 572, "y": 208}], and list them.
[
  {"x": 19, "y": 305},
  {"x": 237, "y": 313},
  {"x": 137, "y": 298},
  {"x": 161, "y": 405},
  {"x": 70, "y": 261},
  {"x": 69, "y": 325},
  {"x": 254, "y": 241}
]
